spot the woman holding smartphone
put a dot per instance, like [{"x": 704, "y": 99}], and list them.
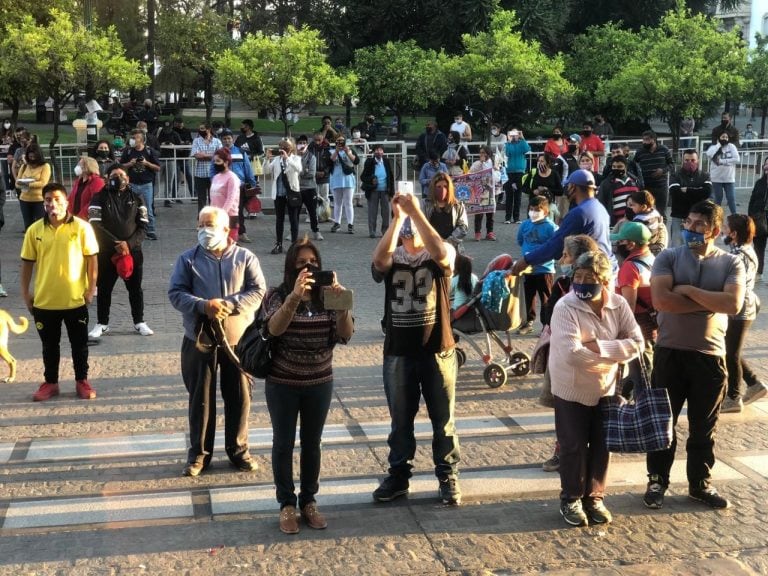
[
  {"x": 343, "y": 183},
  {"x": 300, "y": 383}
]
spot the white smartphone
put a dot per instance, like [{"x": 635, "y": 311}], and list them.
[{"x": 405, "y": 187}]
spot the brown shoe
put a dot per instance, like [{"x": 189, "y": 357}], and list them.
[
  {"x": 289, "y": 523},
  {"x": 312, "y": 517}
]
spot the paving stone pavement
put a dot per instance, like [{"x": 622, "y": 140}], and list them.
[{"x": 95, "y": 487}]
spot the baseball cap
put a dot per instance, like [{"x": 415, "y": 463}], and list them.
[
  {"x": 574, "y": 138},
  {"x": 226, "y": 132},
  {"x": 636, "y": 232},
  {"x": 514, "y": 132},
  {"x": 581, "y": 178},
  {"x": 124, "y": 265}
]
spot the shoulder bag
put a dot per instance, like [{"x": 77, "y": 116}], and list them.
[{"x": 255, "y": 347}]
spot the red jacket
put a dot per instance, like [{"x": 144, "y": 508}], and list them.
[{"x": 81, "y": 195}]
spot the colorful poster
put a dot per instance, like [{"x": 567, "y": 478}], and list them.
[{"x": 476, "y": 190}]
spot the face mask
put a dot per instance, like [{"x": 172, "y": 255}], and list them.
[
  {"x": 727, "y": 240},
  {"x": 301, "y": 147},
  {"x": 430, "y": 129},
  {"x": 723, "y": 143},
  {"x": 572, "y": 148},
  {"x": 542, "y": 167},
  {"x": 56, "y": 210},
  {"x": 219, "y": 168},
  {"x": 339, "y": 125},
  {"x": 210, "y": 238},
  {"x": 691, "y": 167},
  {"x": 566, "y": 269},
  {"x": 622, "y": 251},
  {"x": 132, "y": 142},
  {"x": 724, "y": 123},
  {"x": 7, "y": 125},
  {"x": 78, "y": 171},
  {"x": 629, "y": 214},
  {"x": 557, "y": 136},
  {"x": 115, "y": 182},
  {"x": 32, "y": 158},
  {"x": 102, "y": 153},
  {"x": 587, "y": 291},
  {"x": 355, "y": 134},
  {"x": 648, "y": 145},
  {"x": 495, "y": 132},
  {"x": 535, "y": 215},
  {"x": 617, "y": 173},
  {"x": 587, "y": 132},
  {"x": 203, "y": 134},
  {"x": 693, "y": 239}
]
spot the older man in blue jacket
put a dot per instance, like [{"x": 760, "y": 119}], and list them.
[{"x": 216, "y": 281}]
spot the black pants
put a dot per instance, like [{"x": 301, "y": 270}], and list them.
[
  {"x": 701, "y": 380},
  {"x": 488, "y": 222},
  {"x": 660, "y": 195},
  {"x": 533, "y": 285},
  {"x": 309, "y": 200},
  {"x": 738, "y": 369},
  {"x": 198, "y": 370},
  {"x": 106, "y": 283},
  {"x": 759, "y": 244},
  {"x": 286, "y": 405},
  {"x": 584, "y": 458},
  {"x": 202, "y": 189},
  {"x": 514, "y": 191},
  {"x": 281, "y": 206},
  {"x": 48, "y": 323}
]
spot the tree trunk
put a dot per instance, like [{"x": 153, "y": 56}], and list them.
[
  {"x": 228, "y": 112},
  {"x": 348, "y": 119},
  {"x": 208, "y": 97},
  {"x": 284, "y": 118},
  {"x": 151, "y": 47},
  {"x": 674, "y": 128},
  {"x": 399, "y": 117}
]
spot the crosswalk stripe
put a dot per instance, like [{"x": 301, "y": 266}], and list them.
[{"x": 5, "y": 451}]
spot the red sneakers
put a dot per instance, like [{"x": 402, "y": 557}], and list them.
[
  {"x": 46, "y": 392},
  {"x": 84, "y": 390}
]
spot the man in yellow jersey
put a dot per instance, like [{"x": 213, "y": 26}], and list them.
[{"x": 63, "y": 250}]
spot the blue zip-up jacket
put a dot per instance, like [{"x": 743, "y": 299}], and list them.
[
  {"x": 199, "y": 276},
  {"x": 531, "y": 235},
  {"x": 241, "y": 166},
  {"x": 590, "y": 218},
  {"x": 516, "y": 160}
]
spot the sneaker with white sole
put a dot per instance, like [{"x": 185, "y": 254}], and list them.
[
  {"x": 98, "y": 331},
  {"x": 143, "y": 329},
  {"x": 731, "y": 405},
  {"x": 318, "y": 236},
  {"x": 573, "y": 513},
  {"x": 753, "y": 393}
]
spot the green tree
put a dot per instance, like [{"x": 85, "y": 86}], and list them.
[
  {"x": 685, "y": 67},
  {"x": 757, "y": 77},
  {"x": 281, "y": 73},
  {"x": 192, "y": 41},
  {"x": 500, "y": 67},
  {"x": 70, "y": 57},
  {"x": 17, "y": 58},
  {"x": 401, "y": 76}
]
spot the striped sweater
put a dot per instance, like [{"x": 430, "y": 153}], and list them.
[{"x": 303, "y": 354}]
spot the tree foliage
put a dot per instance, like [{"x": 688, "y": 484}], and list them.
[
  {"x": 756, "y": 74},
  {"x": 500, "y": 65},
  {"x": 684, "y": 67},
  {"x": 281, "y": 73},
  {"x": 192, "y": 41},
  {"x": 68, "y": 57},
  {"x": 401, "y": 76}
]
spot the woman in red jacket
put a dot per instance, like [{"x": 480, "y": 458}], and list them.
[{"x": 87, "y": 184}]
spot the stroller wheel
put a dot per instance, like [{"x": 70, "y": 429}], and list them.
[
  {"x": 519, "y": 363},
  {"x": 461, "y": 356},
  {"x": 495, "y": 375}
]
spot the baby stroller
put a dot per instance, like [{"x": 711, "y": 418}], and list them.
[{"x": 473, "y": 319}]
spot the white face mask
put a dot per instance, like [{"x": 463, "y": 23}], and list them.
[
  {"x": 211, "y": 238},
  {"x": 78, "y": 171},
  {"x": 535, "y": 215},
  {"x": 7, "y": 125},
  {"x": 495, "y": 132},
  {"x": 132, "y": 142},
  {"x": 355, "y": 134}
]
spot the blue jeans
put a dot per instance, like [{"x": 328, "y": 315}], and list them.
[
  {"x": 405, "y": 380},
  {"x": 147, "y": 193},
  {"x": 286, "y": 404},
  {"x": 730, "y": 194}
]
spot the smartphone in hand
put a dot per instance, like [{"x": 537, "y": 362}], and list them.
[{"x": 405, "y": 187}]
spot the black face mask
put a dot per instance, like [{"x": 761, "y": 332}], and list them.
[
  {"x": 219, "y": 167},
  {"x": 622, "y": 251},
  {"x": 556, "y": 136},
  {"x": 203, "y": 134},
  {"x": 587, "y": 132},
  {"x": 629, "y": 214},
  {"x": 727, "y": 240},
  {"x": 617, "y": 173},
  {"x": 102, "y": 153},
  {"x": 244, "y": 130},
  {"x": 648, "y": 146},
  {"x": 723, "y": 143},
  {"x": 572, "y": 148},
  {"x": 115, "y": 183}
]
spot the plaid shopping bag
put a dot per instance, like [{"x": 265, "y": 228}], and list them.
[{"x": 642, "y": 425}]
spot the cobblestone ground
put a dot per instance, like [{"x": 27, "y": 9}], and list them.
[{"x": 495, "y": 532}]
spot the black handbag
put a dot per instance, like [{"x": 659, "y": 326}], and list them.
[{"x": 255, "y": 348}]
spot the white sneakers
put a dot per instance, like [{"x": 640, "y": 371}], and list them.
[
  {"x": 143, "y": 329},
  {"x": 98, "y": 331}
]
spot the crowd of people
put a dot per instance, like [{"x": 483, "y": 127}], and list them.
[{"x": 636, "y": 286}]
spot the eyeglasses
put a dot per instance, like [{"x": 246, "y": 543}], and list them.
[{"x": 700, "y": 226}]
